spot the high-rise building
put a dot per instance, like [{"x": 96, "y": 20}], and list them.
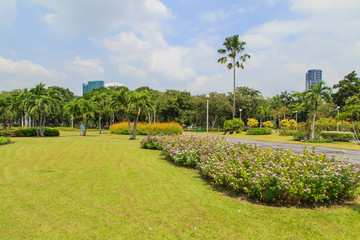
[
  {"x": 91, "y": 85},
  {"x": 313, "y": 76}
]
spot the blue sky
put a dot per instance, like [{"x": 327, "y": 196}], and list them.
[{"x": 172, "y": 44}]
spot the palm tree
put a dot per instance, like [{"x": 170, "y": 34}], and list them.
[
  {"x": 83, "y": 110},
  {"x": 315, "y": 95},
  {"x": 135, "y": 102},
  {"x": 233, "y": 46},
  {"x": 101, "y": 99},
  {"x": 40, "y": 103}
]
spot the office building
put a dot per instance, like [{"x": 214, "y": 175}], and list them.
[
  {"x": 91, "y": 85},
  {"x": 313, "y": 76}
]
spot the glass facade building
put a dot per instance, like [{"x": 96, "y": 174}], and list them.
[
  {"x": 313, "y": 76},
  {"x": 91, "y": 85}
]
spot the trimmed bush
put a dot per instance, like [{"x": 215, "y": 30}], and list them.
[
  {"x": 265, "y": 174},
  {"x": 147, "y": 129},
  {"x": 235, "y": 125},
  {"x": 4, "y": 140},
  {"x": 337, "y": 136},
  {"x": 29, "y": 132},
  {"x": 288, "y": 132},
  {"x": 6, "y": 133},
  {"x": 259, "y": 131},
  {"x": 321, "y": 140},
  {"x": 299, "y": 136}
]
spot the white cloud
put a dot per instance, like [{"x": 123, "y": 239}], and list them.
[
  {"x": 26, "y": 74},
  {"x": 215, "y": 16},
  {"x": 85, "y": 67},
  {"x": 283, "y": 51},
  {"x": 103, "y": 16},
  {"x": 7, "y": 12},
  {"x": 130, "y": 72}
]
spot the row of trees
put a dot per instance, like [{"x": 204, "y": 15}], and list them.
[{"x": 55, "y": 106}]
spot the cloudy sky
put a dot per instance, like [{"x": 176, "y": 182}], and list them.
[{"x": 172, "y": 44}]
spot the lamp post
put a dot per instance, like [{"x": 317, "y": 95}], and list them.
[
  {"x": 240, "y": 112},
  {"x": 337, "y": 124},
  {"x": 296, "y": 120},
  {"x": 207, "y": 114}
]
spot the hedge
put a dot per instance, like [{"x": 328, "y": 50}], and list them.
[
  {"x": 146, "y": 128},
  {"x": 29, "y": 132},
  {"x": 259, "y": 131},
  {"x": 337, "y": 136}
]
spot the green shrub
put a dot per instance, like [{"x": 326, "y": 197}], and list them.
[
  {"x": 6, "y": 133},
  {"x": 321, "y": 140},
  {"x": 29, "y": 132},
  {"x": 51, "y": 132},
  {"x": 235, "y": 125},
  {"x": 172, "y": 128},
  {"x": 299, "y": 136},
  {"x": 259, "y": 131},
  {"x": 337, "y": 136},
  {"x": 4, "y": 140},
  {"x": 25, "y": 132},
  {"x": 288, "y": 132}
]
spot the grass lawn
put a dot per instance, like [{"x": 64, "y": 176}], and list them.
[
  {"x": 107, "y": 187},
  {"x": 275, "y": 137}
]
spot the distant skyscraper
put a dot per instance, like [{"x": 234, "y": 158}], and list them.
[
  {"x": 313, "y": 76},
  {"x": 91, "y": 85}
]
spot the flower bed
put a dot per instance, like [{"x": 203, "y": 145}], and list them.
[{"x": 266, "y": 174}]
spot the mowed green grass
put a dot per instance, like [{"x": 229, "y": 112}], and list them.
[{"x": 107, "y": 187}]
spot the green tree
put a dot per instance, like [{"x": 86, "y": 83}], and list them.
[
  {"x": 347, "y": 88},
  {"x": 315, "y": 96},
  {"x": 40, "y": 103},
  {"x": 134, "y": 103},
  {"x": 83, "y": 111},
  {"x": 233, "y": 47}
]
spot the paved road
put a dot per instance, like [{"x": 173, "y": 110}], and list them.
[{"x": 351, "y": 156}]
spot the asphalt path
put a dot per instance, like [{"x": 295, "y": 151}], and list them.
[{"x": 344, "y": 155}]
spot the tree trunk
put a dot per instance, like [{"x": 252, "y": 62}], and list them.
[
  {"x": 154, "y": 116},
  {"x": 129, "y": 124},
  {"x": 100, "y": 125},
  {"x": 234, "y": 88},
  {"x": 313, "y": 125},
  {"x": 43, "y": 127},
  {"x": 213, "y": 123}
]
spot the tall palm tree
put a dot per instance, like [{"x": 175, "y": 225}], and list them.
[
  {"x": 40, "y": 103},
  {"x": 315, "y": 96},
  {"x": 135, "y": 102},
  {"x": 233, "y": 47},
  {"x": 83, "y": 110}
]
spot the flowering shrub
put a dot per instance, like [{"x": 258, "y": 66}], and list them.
[
  {"x": 269, "y": 124},
  {"x": 266, "y": 174},
  {"x": 146, "y": 128},
  {"x": 252, "y": 122}
]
